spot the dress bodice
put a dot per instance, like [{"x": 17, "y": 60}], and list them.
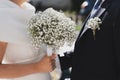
[{"x": 13, "y": 29}]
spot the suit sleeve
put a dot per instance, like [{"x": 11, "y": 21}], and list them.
[
  {"x": 66, "y": 60},
  {"x": 116, "y": 36}
]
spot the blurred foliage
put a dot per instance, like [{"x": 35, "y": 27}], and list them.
[
  {"x": 73, "y": 17},
  {"x": 78, "y": 28}
]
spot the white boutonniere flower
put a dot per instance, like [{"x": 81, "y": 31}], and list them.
[{"x": 94, "y": 24}]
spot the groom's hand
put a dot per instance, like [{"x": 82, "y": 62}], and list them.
[{"x": 47, "y": 64}]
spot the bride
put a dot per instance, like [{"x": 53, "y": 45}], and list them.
[{"x": 19, "y": 60}]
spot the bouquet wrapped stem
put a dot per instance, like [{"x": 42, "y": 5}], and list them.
[{"x": 50, "y": 50}]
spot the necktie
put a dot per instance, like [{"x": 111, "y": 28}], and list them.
[
  {"x": 96, "y": 8},
  {"x": 98, "y": 4}
]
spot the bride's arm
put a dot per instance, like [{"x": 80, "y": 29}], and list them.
[
  {"x": 3, "y": 46},
  {"x": 47, "y": 64}
]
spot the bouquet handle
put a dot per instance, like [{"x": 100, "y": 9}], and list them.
[{"x": 50, "y": 50}]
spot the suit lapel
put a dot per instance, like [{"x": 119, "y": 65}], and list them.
[
  {"x": 97, "y": 14},
  {"x": 100, "y": 12}
]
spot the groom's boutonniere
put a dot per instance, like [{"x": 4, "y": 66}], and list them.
[{"x": 94, "y": 24}]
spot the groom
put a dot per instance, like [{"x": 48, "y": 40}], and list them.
[{"x": 97, "y": 56}]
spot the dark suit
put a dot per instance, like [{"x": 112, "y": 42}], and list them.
[{"x": 97, "y": 59}]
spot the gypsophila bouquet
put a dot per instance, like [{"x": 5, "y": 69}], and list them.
[{"x": 52, "y": 28}]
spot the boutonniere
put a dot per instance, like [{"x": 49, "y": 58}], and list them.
[{"x": 94, "y": 24}]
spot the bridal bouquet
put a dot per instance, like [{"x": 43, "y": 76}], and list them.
[{"x": 51, "y": 28}]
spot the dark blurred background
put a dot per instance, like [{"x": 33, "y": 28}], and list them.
[
  {"x": 57, "y": 4},
  {"x": 82, "y": 7}
]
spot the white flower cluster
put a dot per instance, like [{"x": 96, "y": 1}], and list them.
[
  {"x": 94, "y": 23},
  {"x": 52, "y": 28}
]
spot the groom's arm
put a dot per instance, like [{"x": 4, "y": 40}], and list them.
[
  {"x": 117, "y": 38},
  {"x": 66, "y": 60}
]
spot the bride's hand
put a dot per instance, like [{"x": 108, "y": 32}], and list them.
[{"x": 47, "y": 64}]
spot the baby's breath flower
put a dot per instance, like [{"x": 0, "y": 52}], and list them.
[
  {"x": 52, "y": 28},
  {"x": 94, "y": 24}
]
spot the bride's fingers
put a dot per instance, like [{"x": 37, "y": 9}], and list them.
[
  {"x": 53, "y": 65},
  {"x": 53, "y": 61},
  {"x": 53, "y": 56}
]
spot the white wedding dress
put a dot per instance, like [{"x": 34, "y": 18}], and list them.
[{"x": 13, "y": 29}]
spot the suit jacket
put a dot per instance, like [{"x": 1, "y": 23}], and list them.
[{"x": 97, "y": 59}]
